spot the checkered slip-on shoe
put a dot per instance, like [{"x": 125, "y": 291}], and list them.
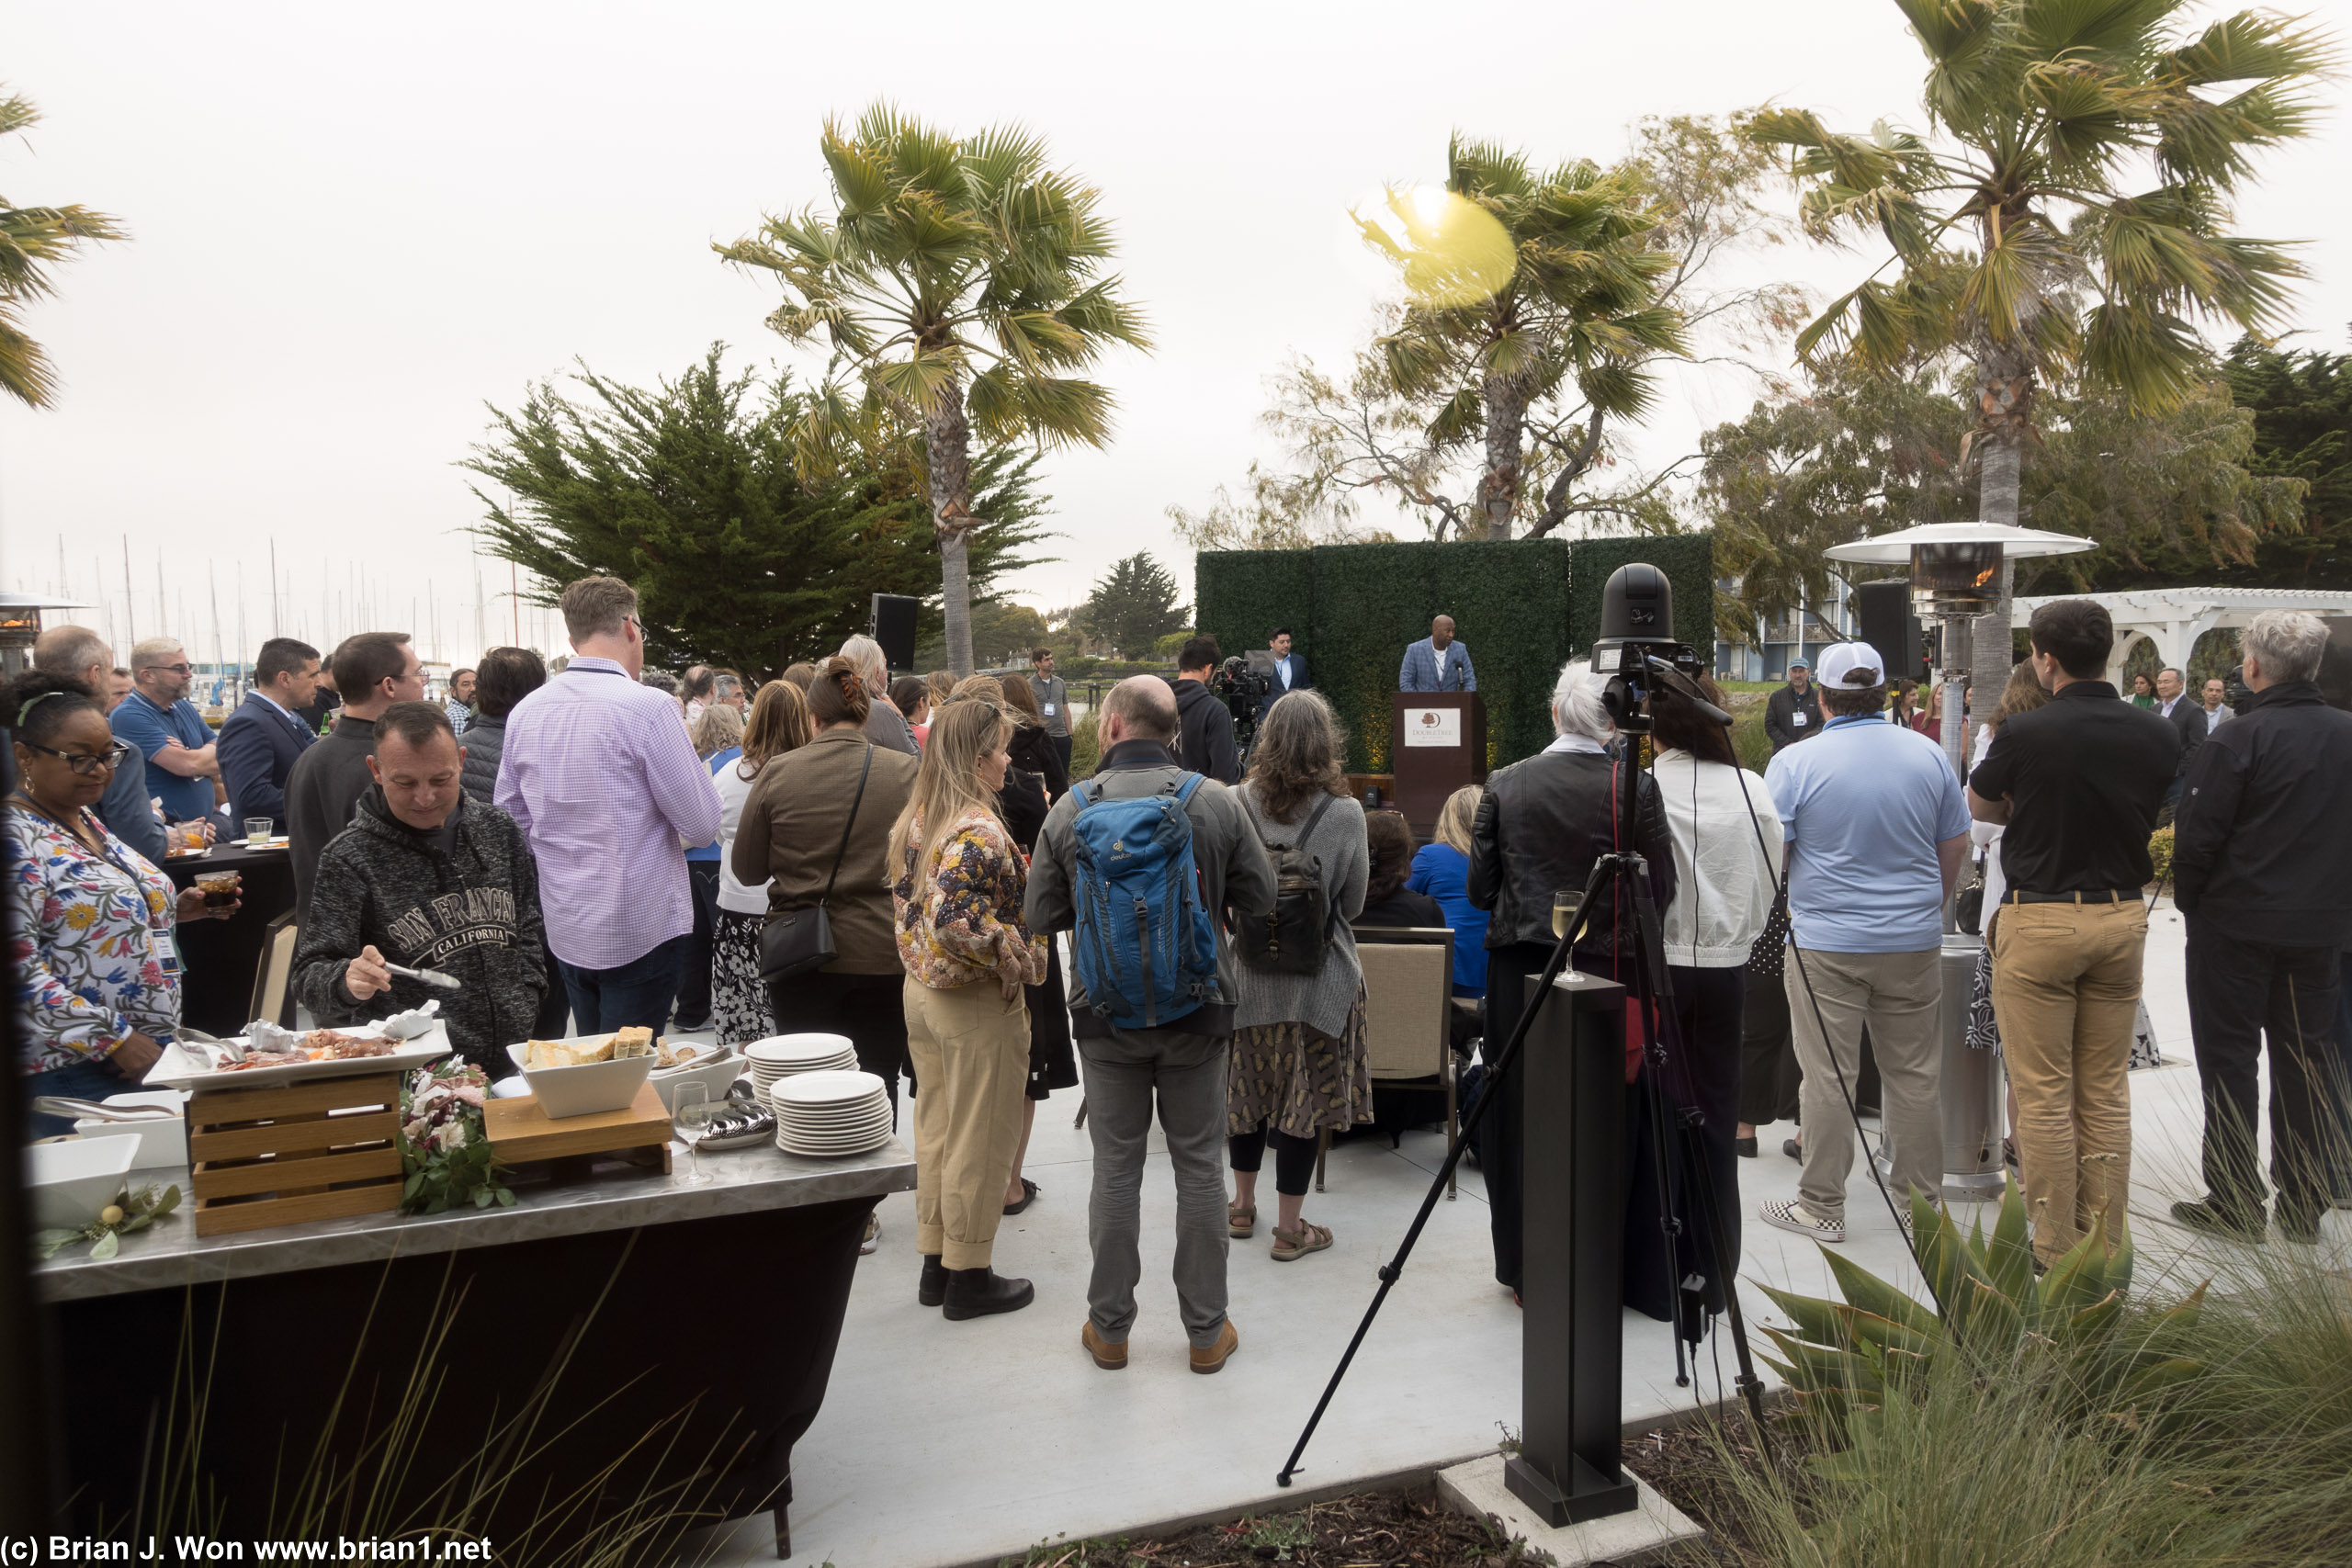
[{"x": 1798, "y": 1218}]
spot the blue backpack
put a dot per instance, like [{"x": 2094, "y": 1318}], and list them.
[{"x": 1143, "y": 944}]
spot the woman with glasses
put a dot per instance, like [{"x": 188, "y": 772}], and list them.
[{"x": 98, "y": 972}]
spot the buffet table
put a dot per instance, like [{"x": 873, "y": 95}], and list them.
[
  {"x": 221, "y": 959},
  {"x": 619, "y": 1357}
]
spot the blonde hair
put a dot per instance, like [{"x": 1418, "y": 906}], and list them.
[
  {"x": 947, "y": 781},
  {"x": 718, "y": 728},
  {"x": 779, "y": 723},
  {"x": 1454, "y": 819}
]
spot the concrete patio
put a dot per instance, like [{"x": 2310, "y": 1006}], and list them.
[{"x": 944, "y": 1444}]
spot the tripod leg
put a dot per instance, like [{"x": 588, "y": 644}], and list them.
[
  {"x": 1394, "y": 1270},
  {"x": 1700, "y": 1173}
]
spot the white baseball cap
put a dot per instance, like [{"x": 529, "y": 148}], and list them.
[{"x": 1851, "y": 665}]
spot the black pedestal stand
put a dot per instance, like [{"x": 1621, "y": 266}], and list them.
[{"x": 1572, "y": 1349}]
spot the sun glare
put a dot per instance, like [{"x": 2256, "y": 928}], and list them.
[{"x": 1450, "y": 250}]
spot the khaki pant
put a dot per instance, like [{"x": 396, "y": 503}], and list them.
[
  {"x": 2065, "y": 987},
  {"x": 1895, "y": 994},
  {"x": 970, "y": 1049}
]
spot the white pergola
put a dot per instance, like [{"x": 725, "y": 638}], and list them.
[{"x": 2174, "y": 618}]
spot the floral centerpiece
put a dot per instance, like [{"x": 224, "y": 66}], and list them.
[{"x": 444, "y": 1147}]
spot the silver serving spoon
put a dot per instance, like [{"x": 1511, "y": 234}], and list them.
[{"x": 430, "y": 976}]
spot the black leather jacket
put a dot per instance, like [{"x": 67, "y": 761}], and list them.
[{"x": 1540, "y": 825}]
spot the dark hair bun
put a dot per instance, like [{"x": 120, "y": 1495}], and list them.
[{"x": 838, "y": 694}]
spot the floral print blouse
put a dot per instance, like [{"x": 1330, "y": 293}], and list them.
[
  {"x": 84, "y": 927},
  {"x": 967, "y": 924}
]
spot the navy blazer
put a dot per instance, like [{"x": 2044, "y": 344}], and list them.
[
  {"x": 1299, "y": 681},
  {"x": 258, "y": 747}
]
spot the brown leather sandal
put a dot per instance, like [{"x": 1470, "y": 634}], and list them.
[
  {"x": 1240, "y": 1223},
  {"x": 1290, "y": 1245}
]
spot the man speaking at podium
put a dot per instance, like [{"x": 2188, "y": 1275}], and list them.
[{"x": 1437, "y": 663}]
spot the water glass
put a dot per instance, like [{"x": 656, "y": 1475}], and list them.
[{"x": 258, "y": 832}]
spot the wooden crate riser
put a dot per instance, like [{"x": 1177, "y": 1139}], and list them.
[{"x": 309, "y": 1151}]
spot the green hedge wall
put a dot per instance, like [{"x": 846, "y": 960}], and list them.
[
  {"x": 1688, "y": 562},
  {"x": 1355, "y": 608}
]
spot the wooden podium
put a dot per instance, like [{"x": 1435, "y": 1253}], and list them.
[{"x": 1437, "y": 744}]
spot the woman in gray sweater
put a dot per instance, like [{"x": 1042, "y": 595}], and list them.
[{"x": 1299, "y": 1059}]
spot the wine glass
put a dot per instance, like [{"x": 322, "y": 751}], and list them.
[
  {"x": 690, "y": 1116},
  {"x": 1563, "y": 911}
]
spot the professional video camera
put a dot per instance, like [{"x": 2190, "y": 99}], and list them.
[
  {"x": 1636, "y": 647},
  {"x": 1243, "y": 691}
]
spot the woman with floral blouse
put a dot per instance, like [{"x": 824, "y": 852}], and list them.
[
  {"x": 98, "y": 973},
  {"x": 957, "y": 900}
]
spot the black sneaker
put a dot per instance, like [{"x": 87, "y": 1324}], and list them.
[{"x": 2204, "y": 1215}]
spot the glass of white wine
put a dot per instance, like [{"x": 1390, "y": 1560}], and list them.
[
  {"x": 690, "y": 1117},
  {"x": 1563, "y": 911}
]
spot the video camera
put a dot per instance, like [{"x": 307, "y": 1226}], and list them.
[
  {"x": 1243, "y": 691},
  {"x": 1636, "y": 647}
]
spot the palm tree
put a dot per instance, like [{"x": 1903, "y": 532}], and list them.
[
  {"x": 1578, "y": 306},
  {"x": 32, "y": 240},
  {"x": 957, "y": 284},
  {"x": 2068, "y": 218}
]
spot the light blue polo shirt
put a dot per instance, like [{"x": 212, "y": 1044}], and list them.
[{"x": 1862, "y": 808}]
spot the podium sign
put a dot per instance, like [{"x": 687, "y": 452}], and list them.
[{"x": 1438, "y": 743}]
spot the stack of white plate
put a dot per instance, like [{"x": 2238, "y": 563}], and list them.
[
  {"x": 784, "y": 1056},
  {"x": 830, "y": 1113}
]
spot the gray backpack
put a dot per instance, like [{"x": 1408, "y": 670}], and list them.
[{"x": 1290, "y": 938}]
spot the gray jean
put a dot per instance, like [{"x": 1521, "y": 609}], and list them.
[{"x": 1186, "y": 1073}]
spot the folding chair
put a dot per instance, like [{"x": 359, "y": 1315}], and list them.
[{"x": 1408, "y": 1010}]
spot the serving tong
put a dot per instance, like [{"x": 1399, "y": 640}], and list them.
[{"x": 96, "y": 1111}]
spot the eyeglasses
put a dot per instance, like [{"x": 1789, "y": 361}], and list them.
[
  {"x": 180, "y": 669},
  {"x": 86, "y": 764}
]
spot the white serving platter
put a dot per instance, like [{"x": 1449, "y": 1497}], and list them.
[{"x": 186, "y": 1065}]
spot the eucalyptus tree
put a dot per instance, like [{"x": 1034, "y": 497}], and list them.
[
  {"x": 32, "y": 241},
  {"x": 1574, "y": 305},
  {"x": 2068, "y": 213},
  {"x": 957, "y": 281}
]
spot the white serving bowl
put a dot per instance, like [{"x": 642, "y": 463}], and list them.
[
  {"x": 585, "y": 1090},
  {"x": 71, "y": 1182},
  {"x": 163, "y": 1142},
  {"x": 716, "y": 1074}
]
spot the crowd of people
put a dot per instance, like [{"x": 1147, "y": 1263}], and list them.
[{"x": 596, "y": 846}]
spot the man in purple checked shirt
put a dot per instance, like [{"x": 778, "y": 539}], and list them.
[{"x": 599, "y": 774}]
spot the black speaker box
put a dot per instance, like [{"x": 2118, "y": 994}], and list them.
[
  {"x": 894, "y": 628},
  {"x": 1883, "y": 609}
]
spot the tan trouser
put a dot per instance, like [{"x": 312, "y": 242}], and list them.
[
  {"x": 2065, "y": 986},
  {"x": 970, "y": 1049},
  {"x": 1895, "y": 994}
]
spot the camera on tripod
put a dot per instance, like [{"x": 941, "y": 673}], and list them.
[
  {"x": 1243, "y": 691},
  {"x": 1636, "y": 647}
]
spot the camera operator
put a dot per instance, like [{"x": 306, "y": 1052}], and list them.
[
  {"x": 1875, "y": 832},
  {"x": 2263, "y": 862},
  {"x": 2076, "y": 783},
  {"x": 1204, "y": 724}
]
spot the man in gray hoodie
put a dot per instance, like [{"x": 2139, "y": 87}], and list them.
[{"x": 428, "y": 879}]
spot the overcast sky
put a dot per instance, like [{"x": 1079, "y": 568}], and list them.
[{"x": 355, "y": 226}]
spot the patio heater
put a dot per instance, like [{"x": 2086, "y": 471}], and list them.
[
  {"x": 1955, "y": 577},
  {"x": 21, "y": 627}
]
